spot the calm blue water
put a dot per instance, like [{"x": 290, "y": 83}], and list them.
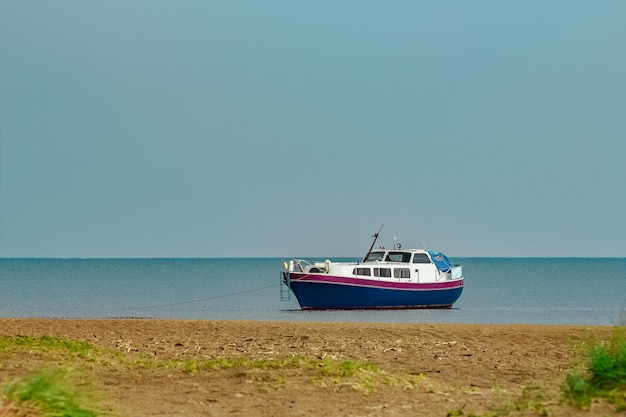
[{"x": 497, "y": 290}]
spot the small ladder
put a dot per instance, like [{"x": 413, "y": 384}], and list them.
[{"x": 285, "y": 292}]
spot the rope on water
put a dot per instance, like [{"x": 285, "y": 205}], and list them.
[{"x": 201, "y": 299}]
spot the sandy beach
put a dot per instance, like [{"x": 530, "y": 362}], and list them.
[{"x": 428, "y": 369}]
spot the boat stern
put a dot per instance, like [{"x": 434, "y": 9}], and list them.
[{"x": 457, "y": 272}]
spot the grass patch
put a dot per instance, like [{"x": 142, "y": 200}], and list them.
[
  {"x": 603, "y": 374},
  {"x": 323, "y": 372},
  {"x": 532, "y": 401},
  {"x": 82, "y": 349},
  {"x": 533, "y": 398},
  {"x": 45, "y": 394},
  {"x": 274, "y": 372}
]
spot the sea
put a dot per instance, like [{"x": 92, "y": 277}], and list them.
[{"x": 557, "y": 291}]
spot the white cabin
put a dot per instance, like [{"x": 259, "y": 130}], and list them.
[{"x": 397, "y": 265}]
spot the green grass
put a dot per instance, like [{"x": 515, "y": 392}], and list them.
[
  {"x": 531, "y": 402},
  {"x": 46, "y": 343},
  {"x": 324, "y": 371},
  {"x": 48, "y": 392},
  {"x": 45, "y": 394},
  {"x": 602, "y": 376}
]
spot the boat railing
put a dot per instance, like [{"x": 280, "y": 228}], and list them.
[
  {"x": 457, "y": 271},
  {"x": 296, "y": 265},
  {"x": 302, "y": 265}
]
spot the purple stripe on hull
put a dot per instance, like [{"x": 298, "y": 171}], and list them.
[
  {"x": 374, "y": 283},
  {"x": 328, "y": 292}
]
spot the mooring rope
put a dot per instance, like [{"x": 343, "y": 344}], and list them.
[{"x": 201, "y": 299}]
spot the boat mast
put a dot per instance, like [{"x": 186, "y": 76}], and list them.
[{"x": 375, "y": 236}]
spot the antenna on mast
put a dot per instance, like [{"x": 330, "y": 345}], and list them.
[{"x": 375, "y": 236}]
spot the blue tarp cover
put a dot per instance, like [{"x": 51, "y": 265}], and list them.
[{"x": 441, "y": 261}]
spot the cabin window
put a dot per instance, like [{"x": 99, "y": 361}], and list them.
[
  {"x": 402, "y": 273},
  {"x": 399, "y": 257},
  {"x": 421, "y": 258},
  {"x": 362, "y": 271},
  {"x": 382, "y": 272},
  {"x": 375, "y": 256}
]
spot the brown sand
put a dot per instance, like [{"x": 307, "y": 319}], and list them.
[{"x": 468, "y": 368}]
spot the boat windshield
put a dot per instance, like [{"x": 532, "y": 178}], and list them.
[
  {"x": 375, "y": 256},
  {"x": 398, "y": 257}
]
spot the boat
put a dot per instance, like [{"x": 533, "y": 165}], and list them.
[{"x": 394, "y": 278}]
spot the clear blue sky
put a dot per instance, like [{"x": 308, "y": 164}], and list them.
[{"x": 295, "y": 128}]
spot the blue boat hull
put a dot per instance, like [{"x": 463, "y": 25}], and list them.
[{"x": 315, "y": 295}]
